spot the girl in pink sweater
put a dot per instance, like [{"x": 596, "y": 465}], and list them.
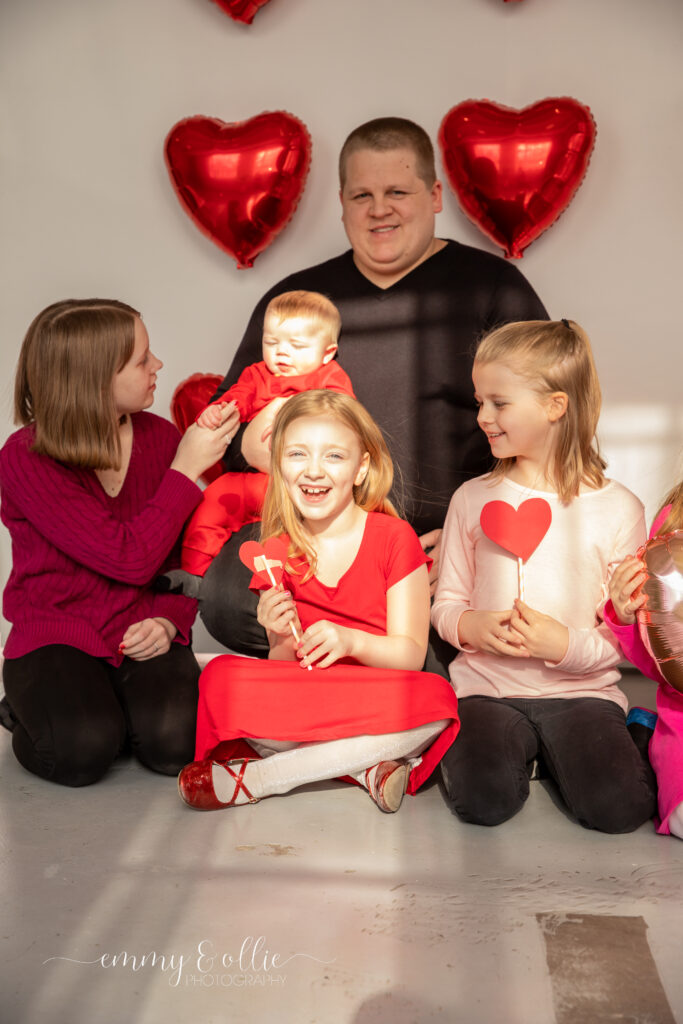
[
  {"x": 666, "y": 745},
  {"x": 94, "y": 492},
  {"x": 537, "y": 677}
]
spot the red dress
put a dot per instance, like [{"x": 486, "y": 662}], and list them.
[{"x": 242, "y": 698}]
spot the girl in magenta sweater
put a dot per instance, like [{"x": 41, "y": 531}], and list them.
[{"x": 94, "y": 493}]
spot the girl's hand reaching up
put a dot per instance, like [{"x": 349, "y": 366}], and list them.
[
  {"x": 215, "y": 415},
  {"x": 200, "y": 448},
  {"x": 490, "y": 632},
  {"x": 625, "y": 580},
  {"x": 541, "y": 635}
]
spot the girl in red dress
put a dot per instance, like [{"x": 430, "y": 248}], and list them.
[{"x": 347, "y": 697}]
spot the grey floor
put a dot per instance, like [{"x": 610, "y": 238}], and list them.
[{"x": 122, "y": 905}]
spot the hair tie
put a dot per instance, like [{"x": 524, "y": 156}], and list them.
[{"x": 565, "y": 323}]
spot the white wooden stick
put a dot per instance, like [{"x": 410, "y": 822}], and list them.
[
  {"x": 261, "y": 562},
  {"x": 520, "y": 578}
]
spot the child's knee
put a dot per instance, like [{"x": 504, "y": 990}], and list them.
[
  {"x": 81, "y": 762},
  {"x": 616, "y": 813},
  {"x": 167, "y": 749},
  {"x": 484, "y": 797}
]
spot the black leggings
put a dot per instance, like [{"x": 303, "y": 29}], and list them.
[
  {"x": 75, "y": 713},
  {"x": 583, "y": 744}
]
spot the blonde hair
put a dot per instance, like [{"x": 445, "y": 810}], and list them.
[
  {"x": 387, "y": 133},
  {"x": 312, "y": 306},
  {"x": 555, "y": 355},
  {"x": 674, "y": 520},
  {"x": 63, "y": 384},
  {"x": 279, "y": 513}
]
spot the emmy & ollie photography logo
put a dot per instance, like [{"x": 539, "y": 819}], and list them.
[{"x": 254, "y": 965}]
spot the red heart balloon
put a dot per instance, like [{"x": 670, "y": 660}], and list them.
[
  {"x": 189, "y": 398},
  {"x": 275, "y": 553},
  {"x": 520, "y": 530},
  {"x": 241, "y": 10},
  {"x": 239, "y": 182},
  {"x": 515, "y": 171},
  {"x": 661, "y": 620}
]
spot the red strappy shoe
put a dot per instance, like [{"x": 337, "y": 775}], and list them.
[
  {"x": 195, "y": 784},
  {"x": 389, "y": 784}
]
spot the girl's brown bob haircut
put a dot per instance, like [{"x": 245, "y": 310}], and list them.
[
  {"x": 556, "y": 355},
  {"x": 63, "y": 385},
  {"x": 279, "y": 513}
]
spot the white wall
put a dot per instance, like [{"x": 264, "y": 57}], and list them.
[{"x": 90, "y": 89}]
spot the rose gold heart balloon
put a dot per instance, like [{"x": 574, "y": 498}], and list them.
[
  {"x": 661, "y": 620},
  {"x": 241, "y": 10},
  {"x": 240, "y": 182},
  {"x": 515, "y": 171}
]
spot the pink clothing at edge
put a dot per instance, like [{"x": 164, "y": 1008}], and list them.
[
  {"x": 82, "y": 561},
  {"x": 666, "y": 745},
  {"x": 565, "y": 577}
]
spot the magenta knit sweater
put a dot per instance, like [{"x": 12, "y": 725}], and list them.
[{"x": 82, "y": 561}]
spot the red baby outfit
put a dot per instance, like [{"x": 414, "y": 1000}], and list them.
[{"x": 236, "y": 499}]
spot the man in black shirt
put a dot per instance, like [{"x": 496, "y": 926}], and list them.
[{"x": 413, "y": 307}]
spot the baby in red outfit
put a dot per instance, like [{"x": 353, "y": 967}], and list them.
[{"x": 300, "y": 336}]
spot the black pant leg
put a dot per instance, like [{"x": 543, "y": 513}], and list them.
[
  {"x": 599, "y": 771},
  {"x": 70, "y": 726},
  {"x": 226, "y": 604},
  {"x": 159, "y": 697},
  {"x": 487, "y": 769}
]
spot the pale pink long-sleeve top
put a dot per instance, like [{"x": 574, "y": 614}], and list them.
[{"x": 565, "y": 577}]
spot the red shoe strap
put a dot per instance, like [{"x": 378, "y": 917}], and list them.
[{"x": 239, "y": 781}]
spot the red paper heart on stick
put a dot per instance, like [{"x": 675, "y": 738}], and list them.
[
  {"x": 239, "y": 182},
  {"x": 515, "y": 171},
  {"x": 241, "y": 10},
  {"x": 661, "y": 620},
  {"x": 272, "y": 554},
  {"x": 520, "y": 530}
]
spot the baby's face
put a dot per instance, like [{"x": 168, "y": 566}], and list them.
[{"x": 295, "y": 346}]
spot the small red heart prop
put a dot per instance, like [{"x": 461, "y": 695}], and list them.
[
  {"x": 241, "y": 10},
  {"x": 239, "y": 182},
  {"x": 520, "y": 530},
  {"x": 256, "y": 556},
  {"x": 515, "y": 171}
]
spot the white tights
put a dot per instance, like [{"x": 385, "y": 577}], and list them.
[
  {"x": 676, "y": 822},
  {"x": 288, "y": 765}
]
